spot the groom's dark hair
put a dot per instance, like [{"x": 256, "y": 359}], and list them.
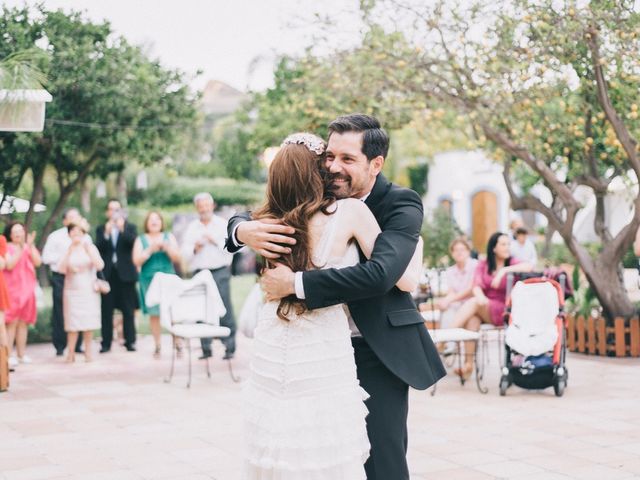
[{"x": 375, "y": 141}]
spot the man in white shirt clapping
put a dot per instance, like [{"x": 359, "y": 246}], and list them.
[{"x": 203, "y": 249}]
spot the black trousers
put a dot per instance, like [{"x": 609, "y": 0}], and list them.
[
  {"x": 388, "y": 406},
  {"x": 58, "y": 335},
  {"x": 222, "y": 277},
  {"x": 123, "y": 296}
]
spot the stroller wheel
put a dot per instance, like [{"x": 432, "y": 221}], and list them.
[
  {"x": 504, "y": 384},
  {"x": 559, "y": 384}
]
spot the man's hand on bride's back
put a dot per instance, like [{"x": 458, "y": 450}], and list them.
[
  {"x": 277, "y": 282},
  {"x": 266, "y": 236}
]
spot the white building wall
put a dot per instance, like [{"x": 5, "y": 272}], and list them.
[{"x": 458, "y": 176}]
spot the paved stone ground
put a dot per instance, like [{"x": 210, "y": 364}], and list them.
[{"x": 116, "y": 419}]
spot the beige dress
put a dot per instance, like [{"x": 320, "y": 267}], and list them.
[{"x": 81, "y": 303}]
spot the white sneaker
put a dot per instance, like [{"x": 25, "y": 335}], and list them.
[
  {"x": 13, "y": 362},
  {"x": 26, "y": 359}
]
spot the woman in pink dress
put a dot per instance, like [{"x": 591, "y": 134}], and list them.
[
  {"x": 81, "y": 300},
  {"x": 489, "y": 293},
  {"x": 20, "y": 274}
]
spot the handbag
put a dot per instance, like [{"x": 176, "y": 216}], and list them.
[{"x": 101, "y": 285}]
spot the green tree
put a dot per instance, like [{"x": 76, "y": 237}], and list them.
[
  {"x": 111, "y": 103},
  {"x": 548, "y": 87}
]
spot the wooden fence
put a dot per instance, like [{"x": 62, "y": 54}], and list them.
[{"x": 594, "y": 336}]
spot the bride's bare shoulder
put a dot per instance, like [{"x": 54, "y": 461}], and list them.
[{"x": 352, "y": 204}]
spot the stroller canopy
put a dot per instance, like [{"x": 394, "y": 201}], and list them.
[{"x": 534, "y": 309}]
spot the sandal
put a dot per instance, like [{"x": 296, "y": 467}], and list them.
[
  {"x": 464, "y": 373},
  {"x": 156, "y": 352}
]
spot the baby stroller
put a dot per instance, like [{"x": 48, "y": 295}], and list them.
[{"x": 535, "y": 340}]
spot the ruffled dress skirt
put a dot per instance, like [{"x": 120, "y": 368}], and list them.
[{"x": 304, "y": 407}]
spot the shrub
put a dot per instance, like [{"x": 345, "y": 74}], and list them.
[
  {"x": 437, "y": 233},
  {"x": 41, "y": 331},
  {"x": 171, "y": 192}
]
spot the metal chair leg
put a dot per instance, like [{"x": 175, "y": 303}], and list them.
[
  {"x": 460, "y": 361},
  {"x": 173, "y": 359},
  {"x": 208, "y": 369},
  {"x": 479, "y": 375},
  {"x": 189, "y": 349},
  {"x": 233, "y": 377}
]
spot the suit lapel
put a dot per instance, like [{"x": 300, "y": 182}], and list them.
[
  {"x": 378, "y": 192},
  {"x": 374, "y": 201}
]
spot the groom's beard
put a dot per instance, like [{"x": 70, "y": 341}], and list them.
[{"x": 340, "y": 185}]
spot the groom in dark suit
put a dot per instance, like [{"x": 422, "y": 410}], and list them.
[{"x": 393, "y": 350}]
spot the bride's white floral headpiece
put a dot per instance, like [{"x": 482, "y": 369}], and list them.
[{"x": 309, "y": 140}]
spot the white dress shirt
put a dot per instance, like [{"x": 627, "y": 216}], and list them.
[
  {"x": 524, "y": 253},
  {"x": 212, "y": 254},
  {"x": 56, "y": 247}
]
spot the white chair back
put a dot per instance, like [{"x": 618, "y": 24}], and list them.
[{"x": 190, "y": 306}]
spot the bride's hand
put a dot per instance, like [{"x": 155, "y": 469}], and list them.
[
  {"x": 278, "y": 283},
  {"x": 264, "y": 236}
]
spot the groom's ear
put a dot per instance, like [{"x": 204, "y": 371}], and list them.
[{"x": 376, "y": 164}]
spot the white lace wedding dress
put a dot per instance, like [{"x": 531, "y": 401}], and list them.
[{"x": 304, "y": 407}]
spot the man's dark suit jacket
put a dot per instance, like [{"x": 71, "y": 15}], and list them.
[
  {"x": 127, "y": 271},
  {"x": 386, "y": 316}
]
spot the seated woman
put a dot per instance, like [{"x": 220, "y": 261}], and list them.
[
  {"x": 489, "y": 293},
  {"x": 459, "y": 280}
]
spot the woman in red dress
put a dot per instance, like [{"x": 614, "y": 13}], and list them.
[
  {"x": 4, "y": 294},
  {"x": 489, "y": 293}
]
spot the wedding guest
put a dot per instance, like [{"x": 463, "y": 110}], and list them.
[
  {"x": 489, "y": 293},
  {"x": 54, "y": 250},
  {"x": 459, "y": 280},
  {"x": 20, "y": 274},
  {"x": 114, "y": 241},
  {"x": 154, "y": 251},
  {"x": 81, "y": 300},
  {"x": 203, "y": 248},
  {"x": 523, "y": 248},
  {"x": 4, "y": 294}
]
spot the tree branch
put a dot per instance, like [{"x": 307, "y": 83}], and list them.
[
  {"x": 622, "y": 133},
  {"x": 556, "y": 186},
  {"x": 528, "y": 202}
]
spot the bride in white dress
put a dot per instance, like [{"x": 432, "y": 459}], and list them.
[{"x": 304, "y": 407}]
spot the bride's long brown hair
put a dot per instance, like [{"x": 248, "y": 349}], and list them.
[{"x": 295, "y": 193}]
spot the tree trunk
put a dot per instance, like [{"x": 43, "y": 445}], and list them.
[
  {"x": 37, "y": 195},
  {"x": 121, "y": 186},
  {"x": 548, "y": 237},
  {"x": 85, "y": 197},
  {"x": 605, "y": 279},
  {"x": 608, "y": 285},
  {"x": 57, "y": 210}
]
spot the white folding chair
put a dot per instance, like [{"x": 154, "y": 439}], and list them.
[{"x": 188, "y": 319}]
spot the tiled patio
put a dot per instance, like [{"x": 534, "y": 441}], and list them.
[{"x": 116, "y": 419}]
